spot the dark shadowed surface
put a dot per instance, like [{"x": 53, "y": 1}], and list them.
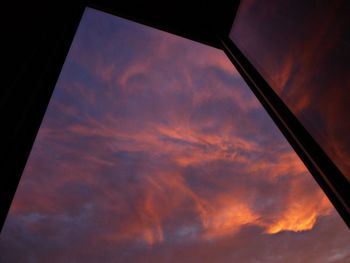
[
  {"x": 153, "y": 149},
  {"x": 302, "y": 48}
]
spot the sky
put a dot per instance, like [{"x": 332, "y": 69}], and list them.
[
  {"x": 302, "y": 50},
  {"x": 153, "y": 149}
]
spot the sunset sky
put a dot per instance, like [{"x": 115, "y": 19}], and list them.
[{"x": 153, "y": 149}]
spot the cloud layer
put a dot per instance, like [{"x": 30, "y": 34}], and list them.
[{"x": 153, "y": 149}]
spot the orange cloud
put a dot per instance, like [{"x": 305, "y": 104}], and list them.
[
  {"x": 301, "y": 216},
  {"x": 227, "y": 217}
]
